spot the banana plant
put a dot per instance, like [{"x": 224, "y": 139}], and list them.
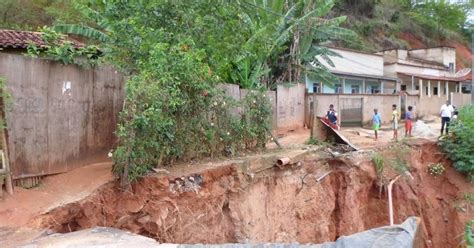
[{"x": 292, "y": 32}]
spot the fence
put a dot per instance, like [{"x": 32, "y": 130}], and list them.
[{"x": 59, "y": 114}]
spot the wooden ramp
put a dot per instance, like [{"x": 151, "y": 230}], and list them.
[{"x": 333, "y": 129}]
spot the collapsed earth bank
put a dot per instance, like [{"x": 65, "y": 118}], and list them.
[{"x": 294, "y": 204}]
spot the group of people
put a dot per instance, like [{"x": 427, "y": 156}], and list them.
[
  {"x": 447, "y": 112},
  {"x": 377, "y": 122}
]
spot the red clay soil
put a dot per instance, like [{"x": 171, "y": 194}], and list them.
[
  {"x": 463, "y": 55},
  {"x": 412, "y": 40},
  {"x": 275, "y": 205},
  {"x": 57, "y": 190}
]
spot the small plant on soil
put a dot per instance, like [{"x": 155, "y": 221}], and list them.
[
  {"x": 315, "y": 142},
  {"x": 379, "y": 163},
  {"x": 469, "y": 197},
  {"x": 468, "y": 235},
  {"x": 436, "y": 169}
]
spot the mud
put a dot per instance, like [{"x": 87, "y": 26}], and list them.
[{"x": 226, "y": 205}]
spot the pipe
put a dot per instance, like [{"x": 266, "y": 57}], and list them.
[
  {"x": 283, "y": 161},
  {"x": 390, "y": 203}
]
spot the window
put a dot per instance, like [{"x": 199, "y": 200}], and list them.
[
  {"x": 444, "y": 90},
  {"x": 316, "y": 88},
  {"x": 426, "y": 90},
  {"x": 435, "y": 91},
  {"x": 373, "y": 89},
  {"x": 404, "y": 87},
  {"x": 466, "y": 88},
  {"x": 451, "y": 67},
  {"x": 355, "y": 89},
  {"x": 417, "y": 87},
  {"x": 338, "y": 88}
]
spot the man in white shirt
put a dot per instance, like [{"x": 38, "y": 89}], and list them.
[{"x": 446, "y": 113}]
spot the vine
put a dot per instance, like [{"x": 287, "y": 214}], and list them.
[{"x": 57, "y": 48}]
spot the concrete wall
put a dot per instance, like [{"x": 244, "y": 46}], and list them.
[
  {"x": 290, "y": 107},
  {"x": 391, "y": 70},
  {"x": 444, "y": 55},
  {"x": 60, "y": 115},
  {"x": 382, "y": 102},
  {"x": 460, "y": 99},
  {"x": 355, "y": 62},
  {"x": 234, "y": 91}
]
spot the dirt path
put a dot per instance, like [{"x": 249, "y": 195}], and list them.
[
  {"x": 364, "y": 137},
  {"x": 57, "y": 190}
]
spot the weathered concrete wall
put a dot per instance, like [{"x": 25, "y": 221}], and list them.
[
  {"x": 460, "y": 99},
  {"x": 234, "y": 91},
  {"x": 290, "y": 107},
  {"x": 443, "y": 55},
  {"x": 60, "y": 115},
  {"x": 382, "y": 102}
]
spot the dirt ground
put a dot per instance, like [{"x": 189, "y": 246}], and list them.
[
  {"x": 231, "y": 207},
  {"x": 57, "y": 190},
  {"x": 289, "y": 205}
]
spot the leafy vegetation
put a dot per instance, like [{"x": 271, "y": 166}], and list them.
[
  {"x": 177, "y": 52},
  {"x": 379, "y": 163},
  {"x": 382, "y": 24},
  {"x": 468, "y": 234},
  {"x": 436, "y": 169},
  {"x": 57, "y": 48},
  {"x": 458, "y": 145}
]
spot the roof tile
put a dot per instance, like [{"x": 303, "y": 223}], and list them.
[{"x": 20, "y": 39}]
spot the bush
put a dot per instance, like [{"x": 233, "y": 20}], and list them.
[
  {"x": 174, "y": 110},
  {"x": 436, "y": 169},
  {"x": 459, "y": 144}
]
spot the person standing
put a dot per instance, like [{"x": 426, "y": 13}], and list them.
[
  {"x": 376, "y": 122},
  {"x": 331, "y": 115},
  {"x": 408, "y": 121},
  {"x": 446, "y": 113},
  {"x": 395, "y": 121}
]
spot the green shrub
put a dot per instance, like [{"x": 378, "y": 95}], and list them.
[
  {"x": 174, "y": 111},
  {"x": 379, "y": 163},
  {"x": 436, "y": 169},
  {"x": 459, "y": 144}
]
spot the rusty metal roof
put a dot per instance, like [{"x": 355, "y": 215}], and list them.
[{"x": 20, "y": 39}]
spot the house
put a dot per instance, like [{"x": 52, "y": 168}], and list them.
[
  {"x": 61, "y": 116},
  {"x": 362, "y": 87},
  {"x": 358, "y": 73},
  {"x": 422, "y": 78},
  {"x": 429, "y": 74}
]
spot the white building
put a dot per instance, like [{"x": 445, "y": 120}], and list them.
[{"x": 358, "y": 73}]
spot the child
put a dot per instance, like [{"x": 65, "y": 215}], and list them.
[
  {"x": 408, "y": 121},
  {"x": 395, "y": 122},
  {"x": 376, "y": 121},
  {"x": 331, "y": 115}
]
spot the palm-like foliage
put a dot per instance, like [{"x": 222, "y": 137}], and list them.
[
  {"x": 82, "y": 30},
  {"x": 290, "y": 34}
]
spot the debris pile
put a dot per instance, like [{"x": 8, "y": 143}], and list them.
[
  {"x": 420, "y": 129},
  {"x": 186, "y": 184}
]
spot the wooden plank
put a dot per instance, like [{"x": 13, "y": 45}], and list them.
[{"x": 336, "y": 132}]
